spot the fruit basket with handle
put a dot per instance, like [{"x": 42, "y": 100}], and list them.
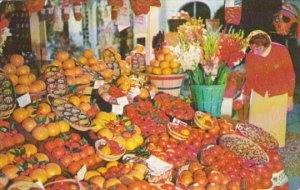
[
  {"x": 108, "y": 157},
  {"x": 69, "y": 112},
  {"x": 7, "y": 96}
]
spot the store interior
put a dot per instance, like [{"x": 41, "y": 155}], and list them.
[{"x": 100, "y": 94}]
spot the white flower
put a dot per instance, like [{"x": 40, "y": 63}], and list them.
[{"x": 187, "y": 56}]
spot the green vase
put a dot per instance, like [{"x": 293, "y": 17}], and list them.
[{"x": 208, "y": 98}]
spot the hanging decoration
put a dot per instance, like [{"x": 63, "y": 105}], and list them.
[
  {"x": 285, "y": 18},
  {"x": 140, "y": 7},
  {"x": 233, "y": 11},
  {"x": 77, "y": 5},
  {"x": 66, "y": 10},
  {"x": 49, "y": 11},
  {"x": 155, "y": 3},
  {"x": 34, "y": 6}
]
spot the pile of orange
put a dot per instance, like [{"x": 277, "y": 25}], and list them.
[
  {"x": 88, "y": 59},
  {"x": 164, "y": 63},
  {"x": 41, "y": 125},
  {"x": 21, "y": 76},
  {"x": 33, "y": 171}
]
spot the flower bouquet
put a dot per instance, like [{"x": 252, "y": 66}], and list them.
[{"x": 208, "y": 57}]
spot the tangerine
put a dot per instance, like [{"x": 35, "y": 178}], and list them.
[
  {"x": 16, "y": 60},
  {"x": 40, "y": 133}
]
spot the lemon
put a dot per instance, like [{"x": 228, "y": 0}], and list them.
[
  {"x": 167, "y": 71},
  {"x": 138, "y": 139},
  {"x": 102, "y": 115},
  {"x": 63, "y": 126},
  {"x": 174, "y": 65},
  {"x": 89, "y": 174},
  {"x": 149, "y": 69},
  {"x": 164, "y": 64},
  {"x": 105, "y": 150},
  {"x": 75, "y": 100},
  {"x": 131, "y": 144},
  {"x": 102, "y": 170},
  {"x": 185, "y": 132},
  {"x": 4, "y": 160},
  {"x": 154, "y": 63},
  {"x": 30, "y": 149},
  {"x": 105, "y": 132},
  {"x": 112, "y": 163},
  {"x": 112, "y": 116},
  {"x": 98, "y": 124},
  {"x": 156, "y": 70}
]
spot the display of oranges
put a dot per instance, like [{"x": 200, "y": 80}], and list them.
[{"x": 165, "y": 63}]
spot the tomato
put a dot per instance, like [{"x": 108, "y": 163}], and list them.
[
  {"x": 237, "y": 105},
  {"x": 167, "y": 187},
  {"x": 75, "y": 137},
  {"x": 266, "y": 183},
  {"x": 66, "y": 160},
  {"x": 214, "y": 177},
  {"x": 49, "y": 146},
  {"x": 58, "y": 152}
]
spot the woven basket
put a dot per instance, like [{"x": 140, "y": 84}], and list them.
[
  {"x": 174, "y": 134},
  {"x": 80, "y": 186},
  {"x": 50, "y": 99},
  {"x": 170, "y": 84},
  {"x": 208, "y": 98},
  {"x": 200, "y": 114},
  {"x": 8, "y": 112},
  {"x": 106, "y": 157}
]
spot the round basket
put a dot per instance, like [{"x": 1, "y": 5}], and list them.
[
  {"x": 73, "y": 181},
  {"x": 106, "y": 157},
  {"x": 200, "y": 114},
  {"x": 24, "y": 185},
  {"x": 170, "y": 84},
  {"x": 174, "y": 134}
]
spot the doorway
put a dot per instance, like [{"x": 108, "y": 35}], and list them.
[{"x": 197, "y": 9}]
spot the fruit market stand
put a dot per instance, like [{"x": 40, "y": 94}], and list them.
[{"x": 90, "y": 124}]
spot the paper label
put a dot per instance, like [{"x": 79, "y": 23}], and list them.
[
  {"x": 40, "y": 184},
  {"x": 88, "y": 90},
  {"x": 178, "y": 121},
  {"x": 123, "y": 101},
  {"x": 81, "y": 173},
  {"x": 98, "y": 84},
  {"x": 135, "y": 91},
  {"x": 279, "y": 179},
  {"x": 24, "y": 100},
  {"x": 157, "y": 166},
  {"x": 117, "y": 109},
  {"x": 152, "y": 94}
]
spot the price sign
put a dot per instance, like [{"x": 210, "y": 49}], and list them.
[
  {"x": 81, "y": 173},
  {"x": 24, "y": 100},
  {"x": 117, "y": 109},
  {"x": 98, "y": 84},
  {"x": 123, "y": 100}
]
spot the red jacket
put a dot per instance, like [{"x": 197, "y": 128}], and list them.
[{"x": 273, "y": 73}]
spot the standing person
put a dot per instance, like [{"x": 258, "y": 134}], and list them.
[{"x": 270, "y": 83}]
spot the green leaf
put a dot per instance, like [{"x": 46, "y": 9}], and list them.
[
  {"x": 129, "y": 128},
  {"x": 4, "y": 129},
  {"x": 22, "y": 151},
  {"x": 76, "y": 150},
  {"x": 43, "y": 163},
  {"x": 36, "y": 105},
  {"x": 83, "y": 141},
  {"x": 12, "y": 125},
  {"x": 20, "y": 167},
  {"x": 73, "y": 88}
]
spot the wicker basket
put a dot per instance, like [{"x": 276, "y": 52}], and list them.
[
  {"x": 200, "y": 114},
  {"x": 73, "y": 181},
  {"x": 51, "y": 98},
  {"x": 170, "y": 84},
  {"x": 174, "y": 134},
  {"x": 5, "y": 114},
  {"x": 106, "y": 157}
]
